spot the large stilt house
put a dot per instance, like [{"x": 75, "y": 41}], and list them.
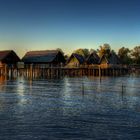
[{"x": 44, "y": 59}]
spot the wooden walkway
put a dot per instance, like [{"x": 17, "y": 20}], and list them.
[
  {"x": 135, "y": 68},
  {"x": 56, "y": 72}
]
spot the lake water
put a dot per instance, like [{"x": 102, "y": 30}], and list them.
[{"x": 70, "y": 109}]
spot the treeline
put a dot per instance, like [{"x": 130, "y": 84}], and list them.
[{"x": 126, "y": 55}]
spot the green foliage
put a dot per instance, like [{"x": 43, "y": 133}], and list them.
[
  {"x": 83, "y": 52},
  {"x": 59, "y": 49},
  {"x": 66, "y": 57},
  {"x": 124, "y": 55},
  {"x": 92, "y": 51},
  {"x": 105, "y": 49},
  {"x": 136, "y": 54}
]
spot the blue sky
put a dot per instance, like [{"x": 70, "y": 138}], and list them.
[{"x": 68, "y": 24}]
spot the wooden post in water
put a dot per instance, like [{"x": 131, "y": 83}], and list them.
[
  {"x": 123, "y": 88},
  {"x": 113, "y": 72},
  {"x": 5, "y": 70},
  {"x": 31, "y": 70},
  {"x": 11, "y": 71},
  {"x": 83, "y": 92},
  {"x": 99, "y": 71}
]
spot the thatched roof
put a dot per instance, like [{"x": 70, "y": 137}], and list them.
[
  {"x": 46, "y": 56},
  {"x": 4, "y": 54},
  {"x": 9, "y": 56},
  {"x": 79, "y": 57},
  {"x": 111, "y": 59},
  {"x": 93, "y": 58}
]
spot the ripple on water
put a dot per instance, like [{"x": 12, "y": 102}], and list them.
[{"x": 70, "y": 108}]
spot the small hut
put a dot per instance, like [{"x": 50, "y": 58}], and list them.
[
  {"x": 92, "y": 59},
  {"x": 8, "y": 60},
  {"x": 44, "y": 59},
  {"x": 75, "y": 60},
  {"x": 111, "y": 60}
]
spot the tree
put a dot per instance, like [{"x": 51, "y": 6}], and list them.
[
  {"x": 92, "y": 51},
  {"x": 105, "y": 49},
  {"x": 124, "y": 55},
  {"x": 83, "y": 52},
  {"x": 66, "y": 56},
  {"x": 59, "y": 49},
  {"x": 136, "y": 54},
  {"x": 113, "y": 52}
]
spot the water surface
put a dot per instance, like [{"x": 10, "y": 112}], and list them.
[{"x": 70, "y": 108}]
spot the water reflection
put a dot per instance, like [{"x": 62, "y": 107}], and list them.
[
  {"x": 58, "y": 109},
  {"x": 3, "y": 80}
]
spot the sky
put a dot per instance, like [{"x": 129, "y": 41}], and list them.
[{"x": 27, "y": 25}]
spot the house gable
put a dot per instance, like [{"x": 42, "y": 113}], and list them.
[
  {"x": 103, "y": 60},
  {"x": 92, "y": 59},
  {"x": 75, "y": 60},
  {"x": 9, "y": 57}
]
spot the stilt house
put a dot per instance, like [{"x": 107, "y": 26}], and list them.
[
  {"x": 75, "y": 60},
  {"x": 44, "y": 59},
  {"x": 112, "y": 60},
  {"x": 8, "y": 60},
  {"x": 92, "y": 59}
]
